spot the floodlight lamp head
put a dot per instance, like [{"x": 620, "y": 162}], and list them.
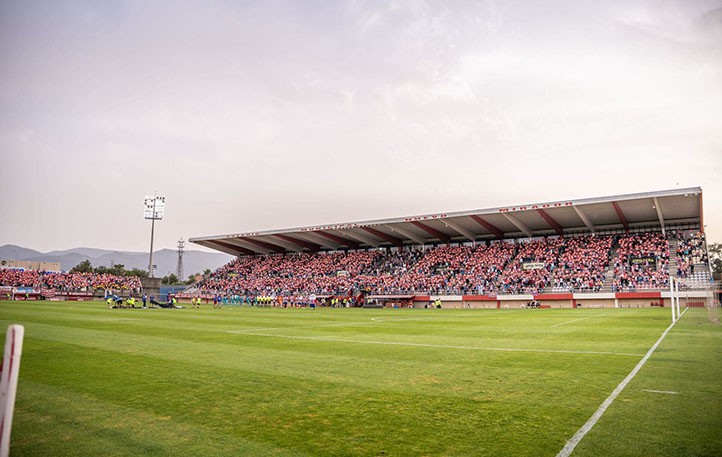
[{"x": 154, "y": 207}]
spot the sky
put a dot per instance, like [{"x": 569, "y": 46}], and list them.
[{"x": 260, "y": 115}]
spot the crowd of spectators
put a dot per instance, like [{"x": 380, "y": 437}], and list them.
[
  {"x": 583, "y": 263},
  {"x": 67, "y": 282},
  {"x": 278, "y": 274},
  {"x": 531, "y": 269},
  {"x": 691, "y": 251},
  {"x": 641, "y": 262},
  {"x": 573, "y": 264},
  {"x": 482, "y": 269}
]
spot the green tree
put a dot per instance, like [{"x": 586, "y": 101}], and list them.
[
  {"x": 137, "y": 272},
  {"x": 715, "y": 257},
  {"x": 170, "y": 279},
  {"x": 82, "y": 267},
  {"x": 118, "y": 270}
]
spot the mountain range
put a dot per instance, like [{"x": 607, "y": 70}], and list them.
[{"x": 165, "y": 259}]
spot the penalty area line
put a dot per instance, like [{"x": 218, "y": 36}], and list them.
[{"x": 592, "y": 421}]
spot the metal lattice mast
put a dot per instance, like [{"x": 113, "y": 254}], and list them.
[{"x": 179, "y": 267}]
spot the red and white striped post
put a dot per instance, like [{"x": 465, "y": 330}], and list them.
[{"x": 9, "y": 383}]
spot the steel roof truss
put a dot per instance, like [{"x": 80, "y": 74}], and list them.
[
  {"x": 550, "y": 220},
  {"x": 313, "y": 247},
  {"x": 433, "y": 232},
  {"x": 583, "y": 216},
  {"x": 620, "y": 214},
  {"x": 362, "y": 238},
  {"x": 338, "y": 239},
  {"x": 377, "y": 233},
  {"x": 491, "y": 228},
  {"x": 407, "y": 234},
  {"x": 660, "y": 215},
  {"x": 263, "y": 244},
  {"x": 318, "y": 239},
  {"x": 226, "y": 247},
  {"x": 520, "y": 225},
  {"x": 459, "y": 229}
]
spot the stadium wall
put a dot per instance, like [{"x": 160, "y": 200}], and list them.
[{"x": 570, "y": 301}]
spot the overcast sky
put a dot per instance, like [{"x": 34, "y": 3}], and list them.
[{"x": 257, "y": 115}]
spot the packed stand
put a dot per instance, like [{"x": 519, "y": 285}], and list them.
[
  {"x": 482, "y": 269},
  {"x": 691, "y": 251},
  {"x": 384, "y": 275},
  {"x": 67, "y": 282},
  {"x": 641, "y": 262},
  {"x": 277, "y": 274},
  {"x": 575, "y": 264},
  {"x": 434, "y": 270},
  {"x": 531, "y": 269},
  {"x": 583, "y": 264}
]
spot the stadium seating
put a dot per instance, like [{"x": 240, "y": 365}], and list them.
[
  {"x": 618, "y": 263},
  {"x": 641, "y": 262},
  {"x": 67, "y": 282},
  {"x": 575, "y": 264},
  {"x": 690, "y": 252}
]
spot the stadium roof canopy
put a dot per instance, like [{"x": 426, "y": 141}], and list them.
[{"x": 644, "y": 211}]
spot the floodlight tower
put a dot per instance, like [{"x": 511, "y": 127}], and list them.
[
  {"x": 153, "y": 209},
  {"x": 179, "y": 267}
]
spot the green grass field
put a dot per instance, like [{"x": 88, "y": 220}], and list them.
[{"x": 355, "y": 382}]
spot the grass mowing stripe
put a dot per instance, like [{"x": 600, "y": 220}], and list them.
[
  {"x": 58, "y": 421},
  {"x": 579, "y": 435},
  {"x": 437, "y": 346}
]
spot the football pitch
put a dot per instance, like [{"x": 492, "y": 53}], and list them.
[{"x": 357, "y": 382}]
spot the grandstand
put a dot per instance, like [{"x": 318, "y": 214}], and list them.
[
  {"x": 22, "y": 284},
  {"x": 615, "y": 251}
]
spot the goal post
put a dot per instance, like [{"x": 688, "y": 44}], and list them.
[
  {"x": 697, "y": 295},
  {"x": 8, "y": 383},
  {"x": 671, "y": 299}
]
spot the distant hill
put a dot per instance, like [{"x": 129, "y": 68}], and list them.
[
  {"x": 165, "y": 259},
  {"x": 13, "y": 252},
  {"x": 90, "y": 252}
]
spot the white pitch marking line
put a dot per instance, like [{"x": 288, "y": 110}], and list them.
[
  {"x": 439, "y": 346},
  {"x": 336, "y": 324},
  {"x": 591, "y": 422},
  {"x": 668, "y": 392},
  {"x": 577, "y": 320}
]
